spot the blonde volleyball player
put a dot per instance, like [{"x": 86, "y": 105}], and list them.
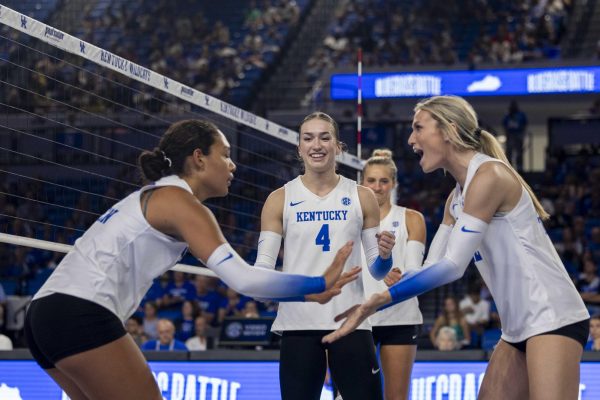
[
  {"x": 74, "y": 326},
  {"x": 395, "y": 329},
  {"x": 493, "y": 216},
  {"x": 314, "y": 213}
]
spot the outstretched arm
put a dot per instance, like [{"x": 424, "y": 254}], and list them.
[
  {"x": 493, "y": 188},
  {"x": 193, "y": 222}
]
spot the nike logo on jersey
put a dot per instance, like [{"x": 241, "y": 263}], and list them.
[
  {"x": 225, "y": 259},
  {"x": 292, "y": 204},
  {"x": 414, "y": 337},
  {"x": 260, "y": 241},
  {"x": 374, "y": 371},
  {"x": 465, "y": 229}
]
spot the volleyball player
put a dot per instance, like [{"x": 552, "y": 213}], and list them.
[
  {"x": 314, "y": 213},
  {"x": 74, "y": 325},
  {"x": 494, "y": 215},
  {"x": 395, "y": 329}
]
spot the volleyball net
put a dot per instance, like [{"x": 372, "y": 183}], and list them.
[{"x": 74, "y": 119}]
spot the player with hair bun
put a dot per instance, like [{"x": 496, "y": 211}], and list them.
[
  {"x": 74, "y": 325},
  {"x": 397, "y": 328}
]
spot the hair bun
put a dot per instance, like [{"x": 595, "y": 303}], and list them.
[{"x": 385, "y": 153}]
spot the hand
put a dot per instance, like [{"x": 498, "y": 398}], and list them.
[
  {"x": 336, "y": 289},
  {"x": 337, "y": 266},
  {"x": 385, "y": 241},
  {"x": 393, "y": 276},
  {"x": 356, "y": 315}
]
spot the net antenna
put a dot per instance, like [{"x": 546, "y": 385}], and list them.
[{"x": 131, "y": 132}]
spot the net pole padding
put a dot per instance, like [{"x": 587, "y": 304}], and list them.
[
  {"x": 104, "y": 58},
  {"x": 65, "y": 248},
  {"x": 359, "y": 111}
]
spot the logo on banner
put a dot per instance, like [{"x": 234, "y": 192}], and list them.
[
  {"x": 206, "y": 99},
  {"x": 166, "y": 82},
  {"x": 9, "y": 393},
  {"x": 234, "y": 330},
  {"x": 23, "y": 22},
  {"x": 490, "y": 83},
  {"x": 187, "y": 91},
  {"x": 54, "y": 33},
  {"x": 283, "y": 131},
  {"x": 82, "y": 47}
]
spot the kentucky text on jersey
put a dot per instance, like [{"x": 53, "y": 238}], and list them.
[{"x": 331, "y": 215}]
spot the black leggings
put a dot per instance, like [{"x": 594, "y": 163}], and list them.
[{"x": 352, "y": 362}]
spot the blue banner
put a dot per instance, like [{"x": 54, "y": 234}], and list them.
[
  {"x": 258, "y": 380},
  {"x": 496, "y": 82}
]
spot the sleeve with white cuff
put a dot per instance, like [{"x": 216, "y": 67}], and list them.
[
  {"x": 260, "y": 282},
  {"x": 378, "y": 267},
  {"x": 463, "y": 241}
]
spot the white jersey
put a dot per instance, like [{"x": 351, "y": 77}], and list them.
[
  {"x": 114, "y": 262},
  {"x": 407, "y": 312},
  {"x": 314, "y": 229},
  {"x": 519, "y": 264}
]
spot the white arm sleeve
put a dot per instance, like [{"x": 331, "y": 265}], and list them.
[
  {"x": 437, "y": 249},
  {"x": 269, "y": 244},
  {"x": 414, "y": 255},
  {"x": 463, "y": 241},
  {"x": 259, "y": 282},
  {"x": 370, "y": 246}
]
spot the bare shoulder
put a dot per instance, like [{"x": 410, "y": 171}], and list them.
[
  {"x": 365, "y": 194},
  {"x": 415, "y": 225},
  {"x": 271, "y": 218},
  {"x": 414, "y": 218},
  {"x": 494, "y": 174},
  {"x": 275, "y": 200}
]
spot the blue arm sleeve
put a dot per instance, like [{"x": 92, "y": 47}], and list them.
[
  {"x": 416, "y": 282},
  {"x": 259, "y": 282},
  {"x": 378, "y": 267}
]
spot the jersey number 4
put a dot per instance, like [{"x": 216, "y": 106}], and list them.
[{"x": 322, "y": 238}]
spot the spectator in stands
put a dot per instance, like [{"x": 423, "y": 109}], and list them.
[
  {"x": 150, "y": 323},
  {"x": 207, "y": 298},
  {"x": 515, "y": 128},
  {"x": 452, "y": 317},
  {"x": 594, "y": 343},
  {"x": 166, "y": 338},
  {"x": 594, "y": 243},
  {"x": 134, "y": 327},
  {"x": 199, "y": 342},
  {"x": 185, "y": 324},
  {"x": 475, "y": 309},
  {"x": 446, "y": 339},
  {"x": 589, "y": 286},
  {"x": 179, "y": 290},
  {"x": 233, "y": 305},
  {"x": 5, "y": 343},
  {"x": 250, "y": 310}
]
